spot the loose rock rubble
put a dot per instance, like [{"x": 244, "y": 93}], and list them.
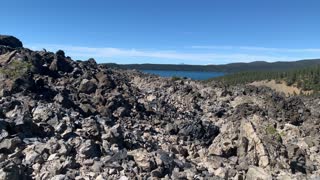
[{"x": 63, "y": 119}]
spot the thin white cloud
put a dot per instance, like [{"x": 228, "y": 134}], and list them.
[
  {"x": 103, "y": 54},
  {"x": 253, "y": 48},
  {"x": 280, "y": 49},
  {"x": 212, "y": 47}
]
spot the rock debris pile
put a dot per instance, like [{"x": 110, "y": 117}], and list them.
[{"x": 62, "y": 119}]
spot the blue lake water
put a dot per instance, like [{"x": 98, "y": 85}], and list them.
[{"x": 195, "y": 75}]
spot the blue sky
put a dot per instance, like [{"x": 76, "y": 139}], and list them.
[{"x": 168, "y": 31}]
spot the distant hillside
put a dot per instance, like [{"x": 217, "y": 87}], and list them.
[
  {"x": 233, "y": 67},
  {"x": 282, "y": 87},
  {"x": 306, "y": 79}
]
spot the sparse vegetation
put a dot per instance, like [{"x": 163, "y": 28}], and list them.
[
  {"x": 272, "y": 131},
  {"x": 15, "y": 69},
  {"x": 282, "y": 133},
  {"x": 175, "y": 78}
]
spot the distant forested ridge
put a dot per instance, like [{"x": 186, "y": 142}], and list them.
[
  {"x": 308, "y": 79},
  {"x": 227, "y": 68}
]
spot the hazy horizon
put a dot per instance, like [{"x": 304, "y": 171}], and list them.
[{"x": 169, "y": 31}]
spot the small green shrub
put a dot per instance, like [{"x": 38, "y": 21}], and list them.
[
  {"x": 175, "y": 78},
  {"x": 15, "y": 69},
  {"x": 278, "y": 137},
  {"x": 282, "y": 133},
  {"x": 271, "y": 130}
]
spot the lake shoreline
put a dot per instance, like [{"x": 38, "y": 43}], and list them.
[{"x": 194, "y": 75}]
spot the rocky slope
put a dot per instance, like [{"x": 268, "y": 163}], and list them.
[{"x": 62, "y": 119}]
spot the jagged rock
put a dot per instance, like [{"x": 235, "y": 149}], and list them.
[
  {"x": 243, "y": 147},
  {"x": 114, "y": 135},
  {"x": 32, "y": 157},
  {"x": 7, "y": 57},
  {"x": 199, "y": 130},
  {"x": 90, "y": 128},
  {"x": 9, "y": 145},
  {"x": 60, "y": 177},
  {"x": 87, "y": 86},
  {"x": 122, "y": 154},
  {"x": 121, "y": 112},
  {"x": 255, "y": 141},
  {"x": 60, "y": 63},
  {"x": 89, "y": 149},
  {"x": 298, "y": 160},
  {"x": 42, "y": 113},
  {"x": 172, "y": 129},
  {"x": 255, "y": 173},
  {"x": 63, "y": 100},
  {"x": 105, "y": 82},
  {"x": 10, "y": 41},
  {"x": 143, "y": 159},
  {"x": 3, "y": 134},
  {"x": 13, "y": 172}
]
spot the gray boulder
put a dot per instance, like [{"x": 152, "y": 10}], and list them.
[
  {"x": 88, "y": 86},
  {"x": 255, "y": 173}
]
